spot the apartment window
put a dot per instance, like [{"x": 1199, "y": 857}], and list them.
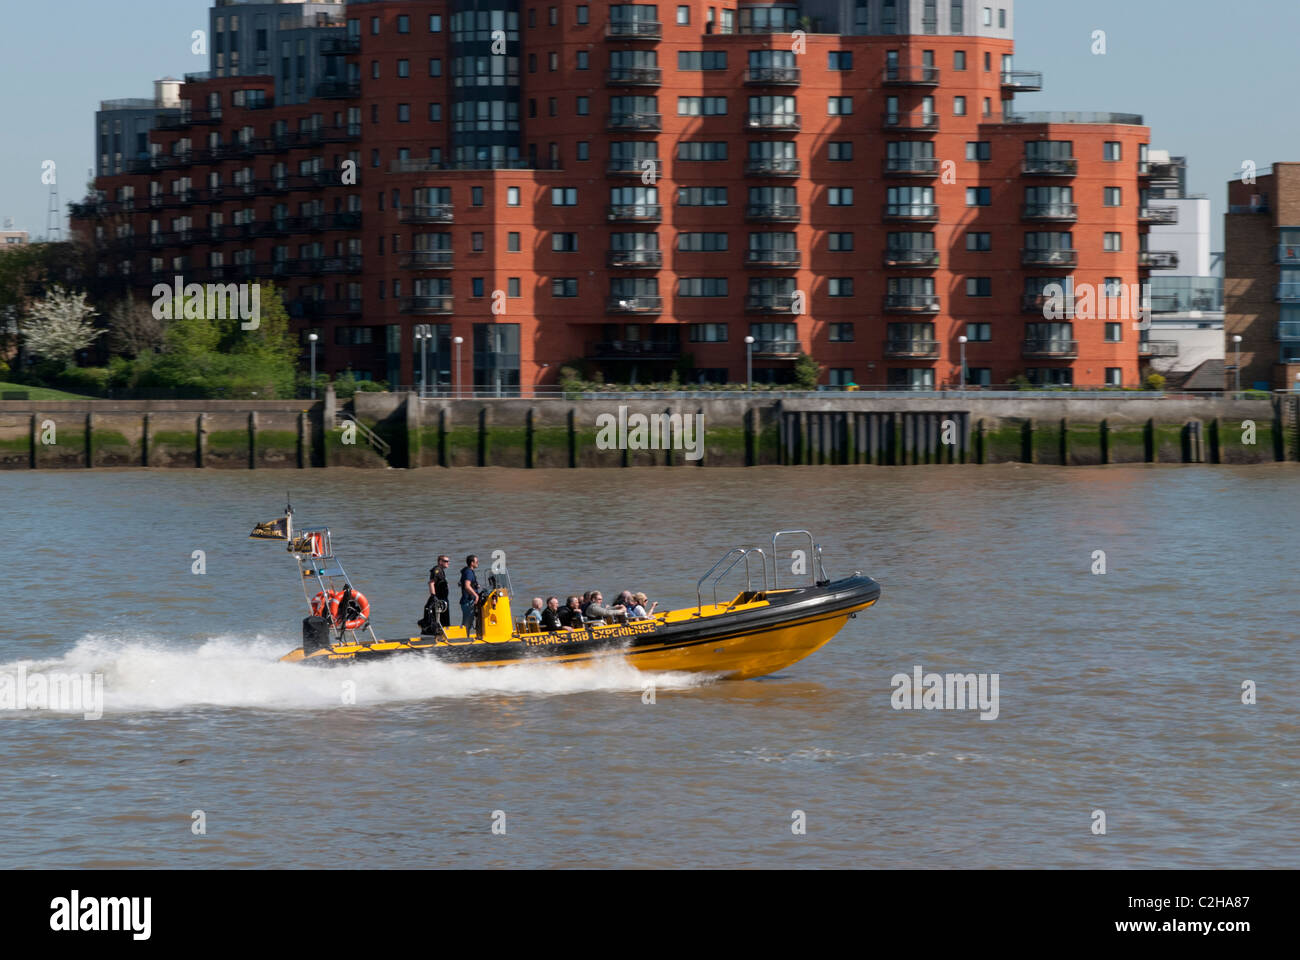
[
  {"x": 532, "y": 18},
  {"x": 979, "y": 150},
  {"x": 959, "y": 60},
  {"x": 979, "y": 332},
  {"x": 476, "y": 196},
  {"x": 839, "y": 60},
  {"x": 1002, "y": 18},
  {"x": 564, "y": 196},
  {"x": 839, "y": 286},
  {"x": 584, "y": 60},
  {"x": 840, "y": 196},
  {"x": 979, "y": 287},
  {"x": 841, "y": 333},
  {"x": 476, "y": 241},
  {"x": 583, "y": 106},
  {"x": 374, "y": 113},
  {"x": 702, "y": 287},
  {"x": 988, "y": 107},
  {"x": 553, "y": 16},
  {"x": 553, "y": 106},
  {"x": 374, "y": 158},
  {"x": 512, "y": 196},
  {"x": 959, "y": 106},
  {"x": 979, "y": 241},
  {"x": 1113, "y": 334},
  {"x": 552, "y": 61},
  {"x": 1112, "y": 196},
  {"x": 403, "y": 24},
  {"x": 701, "y": 106},
  {"x": 979, "y": 196},
  {"x": 683, "y": 16},
  {"x": 435, "y": 67},
  {"x": 708, "y": 333},
  {"x": 564, "y": 242},
  {"x": 512, "y": 288},
  {"x": 532, "y": 63},
  {"x": 403, "y": 113},
  {"x": 435, "y": 23},
  {"x": 583, "y": 150},
  {"x": 839, "y": 106},
  {"x": 1114, "y": 150},
  {"x": 403, "y": 68},
  {"x": 374, "y": 69},
  {"x": 476, "y": 286},
  {"x": 564, "y": 286},
  {"x": 701, "y": 60},
  {"x": 435, "y": 112},
  {"x": 1113, "y": 242},
  {"x": 512, "y": 242},
  {"x": 702, "y": 197},
  {"x": 839, "y": 242},
  {"x": 839, "y": 150},
  {"x": 374, "y": 26},
  {"x": 582, "y": 15},
  {"x": 702, "y": 150},
  {"x": 988, "y": 16},
  {"x": 1114, "y": 286},
  {"x": 1114, "y": 376},
  {"x": 702, "y": 242}
]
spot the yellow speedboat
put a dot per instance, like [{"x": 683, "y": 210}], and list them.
[{"x": 758, "y": 631}]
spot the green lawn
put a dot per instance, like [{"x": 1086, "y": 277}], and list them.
[{"x": 40, "y": 393}]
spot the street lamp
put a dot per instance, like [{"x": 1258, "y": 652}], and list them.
[
  {"x": 749, "y": 363},
  {"x": 312, "y": 338},
  {"x": 962, "y": 341},
  {"x": 1236, "y": 365},
  {"x": 457, "y": 341},
  {"x": 422, "y": 342}
]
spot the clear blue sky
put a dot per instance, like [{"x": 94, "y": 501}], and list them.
[{"x": 1214, "y": 81}]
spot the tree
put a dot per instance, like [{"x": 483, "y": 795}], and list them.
[
  {"x": 806, "y": 372},
  {"x": 133, "y": 329},
  {"x": 59, "y": 325}
]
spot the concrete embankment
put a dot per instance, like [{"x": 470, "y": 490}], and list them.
[{"x": 401, "y": 430}]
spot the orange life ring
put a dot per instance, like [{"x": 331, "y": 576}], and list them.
[{"x": 334, "y": 596}]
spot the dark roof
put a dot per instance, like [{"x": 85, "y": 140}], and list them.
[{"x": 1210, "y": 375}]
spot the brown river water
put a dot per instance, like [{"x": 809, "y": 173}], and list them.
[{"x": 1118, "y": 692}]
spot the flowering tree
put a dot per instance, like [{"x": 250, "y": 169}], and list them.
[{"x": 59, "y": 325}]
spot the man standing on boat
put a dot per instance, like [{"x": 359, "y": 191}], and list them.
[
  {"x": 438, "y": 587},
  {"x": 468, "y": 592}
]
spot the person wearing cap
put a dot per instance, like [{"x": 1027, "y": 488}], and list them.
[{"x": 438, "y": 588}]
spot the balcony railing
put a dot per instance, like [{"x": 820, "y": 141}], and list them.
[
  {"x": 332, "y": 46},
  {"x": 911, "y": 303},
  {"x": 1049, "y": 258},
  {"x": 773, "y": 121},
  {"x": 173, "y": 121},
  {"x": 911, "y": 166},
  {"x": 770, "y": 303},
  {"x": 773, "y": 76},
  {"x": 635, "y": 30},
  {"x": 773, "y": 212},
  {"x": 1158, "y": 215},
  {"x": 1022, "y": 81},
  {"x": 427, "y": 305},
  {"x": 904, "y": 75},
  {"x": 634, "y": 304},
  {"x": 634, "y": 76},
  {"x": 338, "y": 89},
  {"x": 911, "y": 258},
  {"x": 1037, "y": 302},
  {"x": 639, "y": 212},
  {"x": 1051, "y": 211},
  {"x": 1158, "y": 259},
  {"x": 634, "y": 121},
  {"x": 777, "y": 348},
  {"x": 1158, "y": 348},
  {"x": 773, "y": 258},
  {"x": 427, "y": 260},
  {"x": 634, "y": 167},
  {"x": 636, "y": 349},
  {"x": 772, "y": 167},
  {"x": 1074, "y": 116},
  {"x": 1288, "y": 293},
  {"x": 1162, "y": 170},
  {"x": 905, "y": 348},
  {"x": 635, "y": 259},
  {"x": 1050, "y": 349},
  {"x": 916, "y": 212},
  {"x": 916, "y": 122},
  {"x": 427, "y": 213},
  {"x": 1066, "y": 167}
]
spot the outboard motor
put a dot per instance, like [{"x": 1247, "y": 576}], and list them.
[{"x": 315, "y": 635}]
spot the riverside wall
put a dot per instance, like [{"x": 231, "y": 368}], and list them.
[{"x": 402, "y": 430}]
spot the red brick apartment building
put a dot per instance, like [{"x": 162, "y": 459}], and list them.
[{"x": 640, "y": 187}]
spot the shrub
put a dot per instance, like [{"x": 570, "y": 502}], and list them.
[{"x": 1154, "y": 382}]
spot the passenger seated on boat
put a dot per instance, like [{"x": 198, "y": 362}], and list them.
[
  {"x": 639, "y": 610},
  {"x": 571, "y": 615},
  {"x": 596, "y": 610},
  {"x": 553, "y": 616},
  {"x": 535, "y": 611}
]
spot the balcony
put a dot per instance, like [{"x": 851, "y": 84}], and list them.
[
  {"x": 182, "y": 198},
  {"x": 1287, "y": 293},
  {"x": 634, "y": 304},
  {"x": 1022, "y": 81},
  {"x": 903, "y": 75},
  {"x": 426, "y": 260},
  {"x": 1037, "y": 303},
  {"x": 1158, "y": 348},
  {"x": 634, "y": 167},
  {"x": 1050, "y": 349},
  {"x": 911, "y": 259},
  {"x": 773, "y": 212},
  {"x": 634, "y": 30},
  {"x": 634, "y": 350},
  {"x": 1158, "y": 259},
  {"x": 772, "y": 167},
  {"x": 770, "y": 303},
  {"x": 911, "y": 303},
  {"x": 635, "y": 259},
  {"x": 912, "y": 212},
  {"x": 173, "y": 121},
  {"x": 427, "y": 213},
  {"x": 911, "y": 349},
  {"x": 427, "y": 305},
  {"x": 209, "y": 117},
  {"x": 773, "y": 76},
  {"x": 634, "y": 77},
  {"x": 338, "y": 89},
  {"x": 1162, "y": 215},
  {"x": 1049, "y": 258},
  {"x": 652, "y": 122},
  {"x": 1163, "y": 171},
  {"x": 910, "y": 122},
  {"x": 773, "y": 259},
  {"x": 1051, "y": 211},
  {"x": 335, "y": 46},
  {"x": 635, "y": 212},
  {"x": 1066, "y": 167},
  {"x": 927, "y": 167},
  {"x": 789, "y": 122},
  {"x": 777, "y": 349}
]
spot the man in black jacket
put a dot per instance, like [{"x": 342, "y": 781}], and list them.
[
  {"x": 551, "y": 616},
  {"x": 438, "y": 588}
]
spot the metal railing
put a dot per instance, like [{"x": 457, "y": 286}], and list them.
[
  {"x": 911, "y": 211},
  {"x": 1049, "y": 258},
  {"x": 1062, "y": 349},
  {"x": 1051, "y": 211},
  {"x": 911, "y": 257},
  {"x": 772, "y": 167},
  {"x": 634, "y": 121},
  {"x": 912, "y": 303},
  {"x": 635, "y": 29},
  {"x": 773, "y": 258},
  {"x": 912, "y": 166},
  {"x": 634, "y": 304},
  {"x": 773, "y": 211},
  {"x": 1064, "y": 167},
  {"x": 646, "y": 212},
  {"x": 773, "y": 121},
  {"x": 1022, "y": 80},
  {"x": 905, "y": 75},
  {"x": 773, "y": 76},
  {"x": 911, "y": 348},
  {"x": 634, "y": 76},
  {"x": 634, "y": 259}
]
